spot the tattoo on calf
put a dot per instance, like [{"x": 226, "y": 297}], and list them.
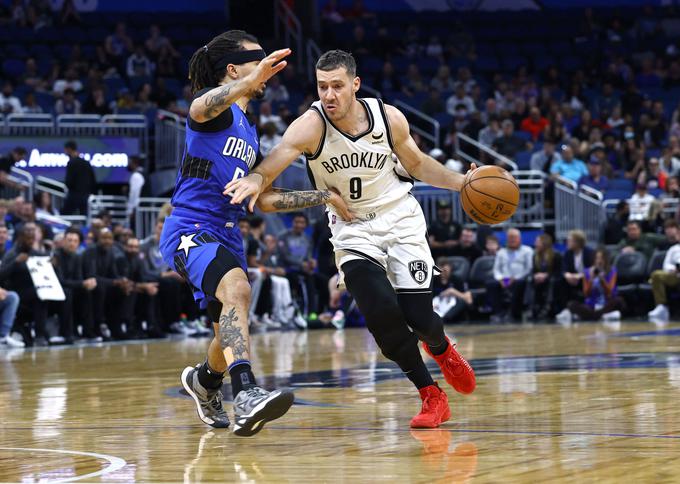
[
  {"x": 298, "y": 200},
  {"x": 231, "y": 335}
]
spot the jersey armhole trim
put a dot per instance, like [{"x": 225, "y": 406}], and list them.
[
  {"x": 323, "y": 136},
  {"x": 387, "y": 124}
]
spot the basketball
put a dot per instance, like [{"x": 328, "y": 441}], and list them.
[{"x": 490, "y": 195}]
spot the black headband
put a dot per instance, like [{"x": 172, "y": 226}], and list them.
[{"x": 239, "y": 57}]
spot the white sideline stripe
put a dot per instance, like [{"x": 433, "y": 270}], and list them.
[{"x": 115, "y": 463}]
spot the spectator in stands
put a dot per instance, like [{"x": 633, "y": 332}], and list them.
[
  {"x": 434, "y": 48},
  {"x": 491, "y": 245},
  {"x": 15, "y": 276},
  {"x": 31, "y": 76},
  {"x": 509, "y": 144},
  {"x": 615, "y": 120},
  {"x": 512, "y": 266},
  {"x": 9, "y": 103},
  {"x": 276, "y": 92},
  {"x": 547, "y": 269},
  {"x": 672, "y": 189},
  {"x": 544, "y": 159},
  {"x": 43, "y": 204},
  {"x": 444, "y": 232},
  {"x": 9, "y": 304},
  {"x": 138, "y": 64},
  {"x": 70, "y": 81},
  {"x": 458, "y": 99},
  {"x": 641, "y": 201},
  {"x": 667, "y": 277},
  {"x": 595, "y": 179},
  {"x": 637, "y": 241},
  {"x": 161, "y": 95},
  {"x": 606, "y": 102},
  {"x": 166, "y": 63},
  {"x": 490, "y": 133},
  {"x": 671, "y": 230},
  {"x": 68, "y": 104},
  {"x": 156, "y": 41},
  {"x": 534, "y": 124},
  {"x": 599, "y": 290},
  {"x": 413, "y": 83},
  {"x": 283, "y": 309},
  {"x": 295, "y": 249},
  {"x": 577, "y": 257},
  {"x": 467, "y": 246},
  {"x": 96, "y": 103},
  {"x": 118, "y": 44},
  {"x": 30, "y": 105},
  {"x": 266, "y": 116},
  {"x": 655, "y": 177},
  {"x": 269, "y": 138},
  {"x": 7, "y": 162},
  {"x": 433, "y": 104},
  {"x": 443, "y": 82},
  {"x": 669, "y": 163},
  {"x": 450, "y": 300},
  {"x": 357, "y": 44},
  {"x": 568, "y": 167},
  {"x": 614, "y": 230},
  {"x": 5, "y": 243},
  {"x": 387, "y": 79},
  {"x": 135, "y": 186},
  {"x": 80, "y": 181}
]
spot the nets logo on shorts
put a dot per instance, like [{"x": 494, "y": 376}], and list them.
[{"x": 418, "y": 270}]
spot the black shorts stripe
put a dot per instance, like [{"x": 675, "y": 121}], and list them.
[
  {"x": 413, "y": 291},
  {"x": 364, "y": 256}
]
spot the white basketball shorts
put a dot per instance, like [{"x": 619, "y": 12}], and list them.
[{"x": 394, "y": 238}]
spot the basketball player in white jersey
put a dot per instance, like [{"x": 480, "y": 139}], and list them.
[{"x": 383, "y": 254}]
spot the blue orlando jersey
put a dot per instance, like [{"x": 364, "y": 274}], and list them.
[{"x": 216, "y": 152}]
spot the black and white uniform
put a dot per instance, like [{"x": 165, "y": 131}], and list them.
[{"x": 391, "y": 231}]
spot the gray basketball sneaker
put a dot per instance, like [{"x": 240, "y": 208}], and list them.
[
  {"x": 208, "y": 402},
  {"x": 255, "y": 407}
]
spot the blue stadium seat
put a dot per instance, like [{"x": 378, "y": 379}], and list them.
[
  {"x": 523, "y": 135},
  {"x": 523, "y": 160},
  {"x": 13, "y": 67},
  {"x": 622, "y": 184},
  {"x": 613, "y": 194}
]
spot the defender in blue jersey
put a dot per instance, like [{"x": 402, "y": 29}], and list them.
[{"x": 201, "y": 239}]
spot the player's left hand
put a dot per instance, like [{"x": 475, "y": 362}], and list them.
[
  {"x": 242, "y": 188},
  {"x": 340, "y": 206}
]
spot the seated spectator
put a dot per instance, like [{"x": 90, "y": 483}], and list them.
[
  {"x": 637, "y": 241},
  {"x": 266, "y": 116},
  {"x": 491, "y": 245},
  {"x": 9, "y": 103},
  {"x": 138, "y": 64},
  {"x": 68, "y": 104},
  {"x": 9, "y": 304},
  {"x": 70, "y": 81},
  {"x": 509, "y": 144},
  {"x": 31, "y": 106},
  {"x": 276, "y": 92},
  {"x": 534, "y": 124},
  {"x": 156, "y": 42},
  {"x": 670, "y": 164},
  {"x": 433, "y": 104},
  {"x": 118, "y": 44},
  {"x": 450, "y": 300},
  {"x": 7, "y": 162},
  {"x": 281, "y": 307},
  {"x": 577, "y": 257},
  {"x": 269, "y": 138},
  {"x": 161, "y": 95},
  {"x": 414, "y": 83},
  {"x": 672, "y": 189},
  {"x": 568, "y": 167},
  {"x": 96, "y": 103},
  {"x": 489, "y": 134},
  {"x": 544, "y": 159},
  {"x": 295, "y": 250},
  {"x": 511, "y": 268},
  {"x": 31, "y": 76},
  {"x": 655, "y": 176},
  {"x": 614, "y": 230},
  {"x": 599, "y": 290},
  {"x": 666, "y": 277},
  {"x": 443, "y": 82},
  {"x": 113, "y": 290},
  {"x": 641, "y": 201},
  {"x": 547, "y": 268},
  {"x": 671, "y": 230},
  {"x": 444, "y": 232},
  {"x": 5, "y": 243},
  {"x": 595, "y": 179},
  {"x": 467, "y": 246},
  {"x": 459, "y": 98},
  {"x": 15, "y": 276}
]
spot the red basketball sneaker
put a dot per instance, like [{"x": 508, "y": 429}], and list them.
[
  {"x": 457, "y": 372},
  {"x": 435, "y": 410}
]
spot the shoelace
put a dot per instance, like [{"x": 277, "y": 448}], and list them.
[
  {"x": 459, "y": 360},
  {"x": 429, "y": 404},
  {"x": 256, "y": 392},
  {"x": 216, "y": 402}
]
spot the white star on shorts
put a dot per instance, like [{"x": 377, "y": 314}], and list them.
[{"x": 186, "y": 243}]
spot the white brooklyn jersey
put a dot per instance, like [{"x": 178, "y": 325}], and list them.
[{"x": 362, "y": 167}]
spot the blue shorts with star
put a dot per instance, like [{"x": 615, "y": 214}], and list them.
[{"x": 201, "y": 250}]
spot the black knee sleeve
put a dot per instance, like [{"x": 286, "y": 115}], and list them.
[
  {"x": 214, "y": 310},
  {"x": 378, "y": 303},
  {"x": 417, "y": 309}
]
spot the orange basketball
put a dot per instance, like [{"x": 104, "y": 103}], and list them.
[{"x": 490, "y": 195}]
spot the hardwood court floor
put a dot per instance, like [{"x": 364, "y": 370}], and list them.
[{"x": 577, "y": 404}]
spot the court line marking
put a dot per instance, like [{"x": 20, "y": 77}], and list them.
[
  {"x": 115, "y": 463},
  {"x": 485, "y": 431}
]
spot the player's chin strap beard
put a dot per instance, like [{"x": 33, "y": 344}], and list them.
[{"x": 239, "y": 57}]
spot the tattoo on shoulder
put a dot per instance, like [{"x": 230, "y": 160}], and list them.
[
  {"x": 231, "y": 335},
  {"x": 215, "y": 103},
  {"x": 288, "y": 201}
]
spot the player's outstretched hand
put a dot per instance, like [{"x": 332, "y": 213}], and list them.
[
  {"x": 340, "y": 206},
  {"x": 473, "y": 167},
  {"x": 269, "y": 67},
  {"x": 242, "y": 188}
]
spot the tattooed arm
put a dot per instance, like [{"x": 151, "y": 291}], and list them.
[
  {"x": 280, "y": 200},
  {"x": 215, "y": 101}
]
